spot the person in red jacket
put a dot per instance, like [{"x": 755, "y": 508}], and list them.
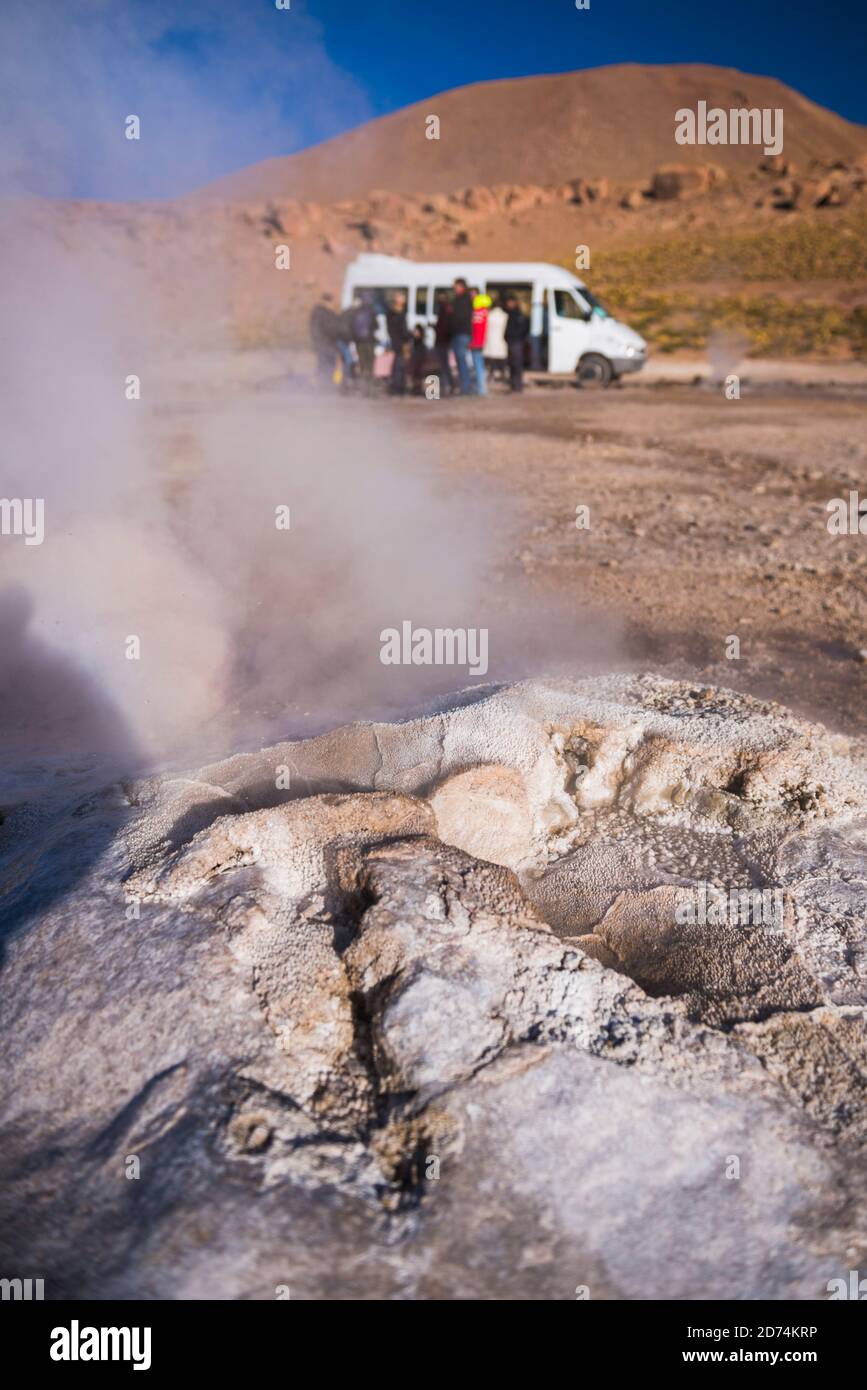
[{"x": 481, "y": 305}]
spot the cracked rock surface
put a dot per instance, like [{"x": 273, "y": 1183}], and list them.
[{"x": 427, "y": 1010}]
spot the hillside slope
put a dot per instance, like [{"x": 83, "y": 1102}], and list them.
[{"x": 614, "y": 121}]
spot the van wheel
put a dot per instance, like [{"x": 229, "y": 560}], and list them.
[{"x": 594, "y": 371}]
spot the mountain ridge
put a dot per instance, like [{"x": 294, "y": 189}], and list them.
[{"x": 541, "y": 130}]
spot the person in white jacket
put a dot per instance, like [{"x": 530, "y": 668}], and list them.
[{"x": 495, "y": 342}]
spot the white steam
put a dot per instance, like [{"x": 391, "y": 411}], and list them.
[{"x": 160, "y": 536}]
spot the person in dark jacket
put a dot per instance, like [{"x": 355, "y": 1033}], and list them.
[
  {"x": 516, "y": 335},
  {"x": 398, "y": 336},
  {"x": 462, "y": 328},
  {"x": 418, "y": 360},
  {"x": 443, "y": 341},
  {"x": 363, "y": 336},
  {"x": 344, "y": 347},
  {"x": 324, "y": 325}
]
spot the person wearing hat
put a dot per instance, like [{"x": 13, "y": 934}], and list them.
[{"x": 481, "y": 305}]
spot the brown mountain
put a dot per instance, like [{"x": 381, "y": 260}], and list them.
[{"x": 617, "y": 121}]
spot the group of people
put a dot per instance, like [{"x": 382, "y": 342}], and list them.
[{"x": 471, "y": 330}]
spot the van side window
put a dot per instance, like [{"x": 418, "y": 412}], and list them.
[
  {"x": 382, "y": 296},
  {"x": 499, "y": 290},
  {"x": 421, "y": 302},
  {"x": 565, "y": 306}
]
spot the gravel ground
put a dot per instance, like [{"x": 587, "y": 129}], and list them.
[{"x": 707, "y": 520}]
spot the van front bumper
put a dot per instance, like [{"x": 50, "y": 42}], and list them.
[{"x": 628, "y": 364}]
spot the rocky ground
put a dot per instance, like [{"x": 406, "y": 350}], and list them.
[
  {"x": 707, "y": 520},
  {"x": 425, "y": 1024}
]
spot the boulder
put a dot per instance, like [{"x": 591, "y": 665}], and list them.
[
  {"x": 584, "y": 190},
  {"x": 633, "y": 200},
  {"x": 596, "y": 190},
  {"x": 787, "y": 194},
  {"x": 385, "y": 206},
  {"x": 831, "y": 192},
  {"x": 520, "y": 197},
  {"x": 480, "y": 200},
  {"x": 679, "y": 181},
  {"x": 777, "y": 164},
  {"x": 575, "y": 191}
]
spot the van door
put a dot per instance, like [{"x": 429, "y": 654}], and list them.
[
  {"x": 419, "y": 306},
  {"x": 422, "y": 311},
  {"x": 568, "y": 331}
]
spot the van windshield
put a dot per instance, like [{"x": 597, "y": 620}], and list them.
[{"x": 594, "y": 303}]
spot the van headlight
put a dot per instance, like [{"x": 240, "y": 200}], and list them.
[{"x": 630, "y": 352}]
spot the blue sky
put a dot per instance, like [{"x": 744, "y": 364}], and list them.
[
  {"x": 219, "y": 84},
  {"x": 406, "y": 51}
]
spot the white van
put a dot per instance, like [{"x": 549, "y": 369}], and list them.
[{"x": 570, "y": 332}]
